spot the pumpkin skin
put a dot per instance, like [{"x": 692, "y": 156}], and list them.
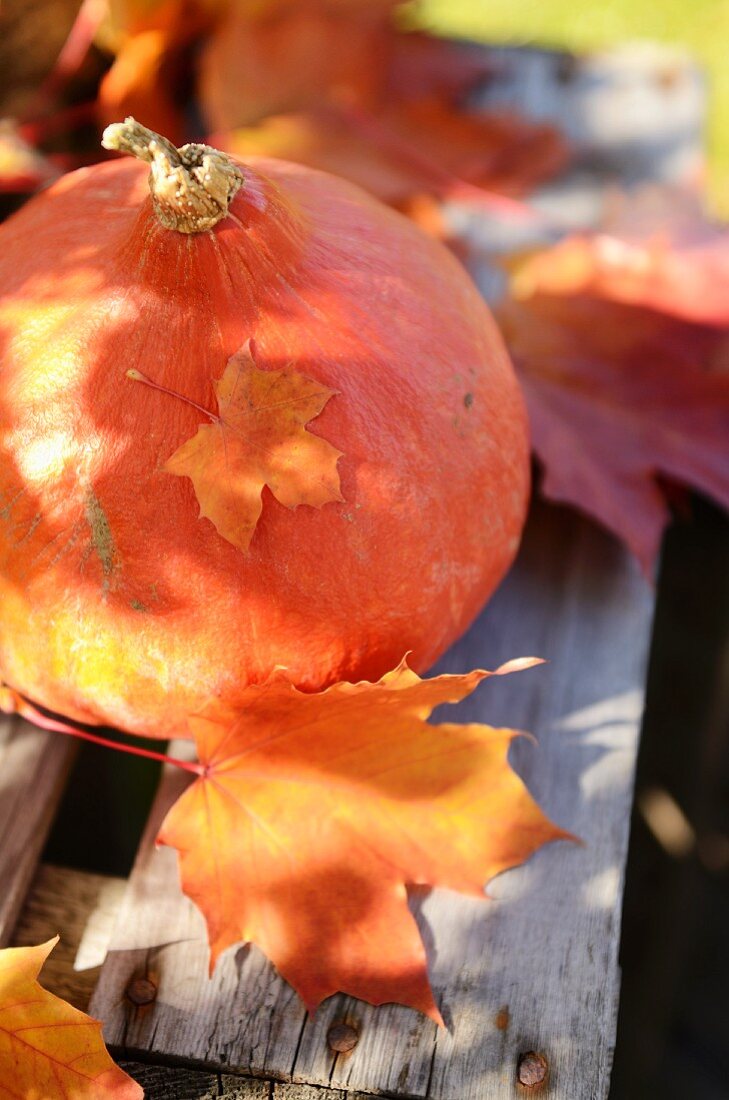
[{"x": 121, "y": 606}]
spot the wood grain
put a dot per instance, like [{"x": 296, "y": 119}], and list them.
[
  {"x": 176, "y": 1083},
  {"x": 33, "y": 770},
  {"x": 81, "y": 908}
]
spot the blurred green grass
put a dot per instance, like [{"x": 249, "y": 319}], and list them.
[{"x": 699, "y": 26}]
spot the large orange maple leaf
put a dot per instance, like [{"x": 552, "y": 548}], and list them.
[
  {"x": 314, "y": 812},
  {"x": 48, "y": 1049}
]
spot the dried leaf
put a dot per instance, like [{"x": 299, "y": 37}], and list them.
[
  {"x": 258, "y": 438},
  {"x": 48, "y": 1049},
  {"x": 336, "y": 85},
  {"x": 316, "y": 811},
  {"x": 617, "y": 396},
  {"x": 140, "y": 84},
  {"x": 31, "y": 37}
]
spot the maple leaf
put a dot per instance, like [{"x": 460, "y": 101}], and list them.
[
  {"x": 618, "y": 395},
  {"x": 47, "y": 1048},
  {"x": 657, "y": 249},
  {"x": 141, "y": 84},
  {"x": 258, "y": 438},
  {"x": 314, "y": 812}
]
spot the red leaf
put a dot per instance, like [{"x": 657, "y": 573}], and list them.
[
  {"x": 618, "y": 395},
  {"x": 340, "y": 88}
]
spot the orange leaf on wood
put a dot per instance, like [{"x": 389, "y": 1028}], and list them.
[
  {"x": 258, "y": 438},
  {"x": 48, "y": 1049},
  {"x": 316, "y": 811},
  {"x": 618, "y": 395}
]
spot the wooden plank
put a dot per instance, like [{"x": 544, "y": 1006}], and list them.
[
  {"x": 633, "y": 115},
  {"x": 165, "y": 1083},
  {"x": 80, "y": 907},
  {"x": 537, "y": 969},
  {"x": 33, "y": 770},
  {"x": 176, "y": 1083},
  {"x": 244, "y": 1009},
  {"x": 84, "y": 906},
  {"x": 632, "y": 112}
]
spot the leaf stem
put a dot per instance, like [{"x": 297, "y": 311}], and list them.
[
  {"x": 137, "y": 376},
  {"x": 44, "y": 721}
]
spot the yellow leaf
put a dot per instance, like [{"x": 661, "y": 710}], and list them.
[{"x": 49, "y": 1050}]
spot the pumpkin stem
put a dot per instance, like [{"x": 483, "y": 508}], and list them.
[{"x": 192, "y": 187}]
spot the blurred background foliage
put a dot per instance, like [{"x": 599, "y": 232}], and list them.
[{"x": 698, "y": 26}]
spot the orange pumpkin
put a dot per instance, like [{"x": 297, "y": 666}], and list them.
[{"x": 120, "y": 604}]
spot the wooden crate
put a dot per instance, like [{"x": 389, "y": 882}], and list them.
[{"x": 528, "y": 982}]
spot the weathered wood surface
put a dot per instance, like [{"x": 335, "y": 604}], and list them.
[
  {"x": 164, "y": 1083},
  {"x": 534, "y": 969},
  {"x": 81, "y": 907},
  {"x": 33, "y": 770}
]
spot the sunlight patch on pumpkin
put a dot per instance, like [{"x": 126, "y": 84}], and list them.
[{"x": 46, "y": 457}]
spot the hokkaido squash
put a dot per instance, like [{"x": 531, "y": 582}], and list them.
[{"x": 121, "y": 604}]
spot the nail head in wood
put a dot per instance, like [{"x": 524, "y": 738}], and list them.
[
  {"x": 342, "y": 1037},
  {"x": 141, "y": 991},
  {"x": 532, "y": 1070}
]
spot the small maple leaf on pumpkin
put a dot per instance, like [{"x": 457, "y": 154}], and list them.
[
  {"x": 48, "y": 1048},
  {"x": 257, "y": 438},
  {"x": 314, "y": 812}
]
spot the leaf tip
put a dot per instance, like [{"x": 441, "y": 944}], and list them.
[{"x": 518, "y": 664}]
